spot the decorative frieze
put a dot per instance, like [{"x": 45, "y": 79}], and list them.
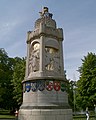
[{"x": 41, "y": 85}]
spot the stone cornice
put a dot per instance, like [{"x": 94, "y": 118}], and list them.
[{"x": 47, "y": 32}]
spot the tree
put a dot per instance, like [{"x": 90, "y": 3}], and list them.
[
  {"x": 86, "y": 91},
  {"x": 18, "y": 76},
  {"x": 12, "y": 72},
  {"x": 71, "y": 94},
  {"x": 6, "y": 72}
]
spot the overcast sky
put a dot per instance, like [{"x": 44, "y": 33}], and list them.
[{"x": 76, "y": 17}]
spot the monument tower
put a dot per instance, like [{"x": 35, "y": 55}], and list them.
[{"x": 44, "y": 85}]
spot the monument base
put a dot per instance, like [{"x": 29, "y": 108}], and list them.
[{"x": 45, "y": 114}]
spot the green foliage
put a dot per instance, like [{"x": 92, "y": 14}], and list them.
[
  {"x": 86, "y": 90},
  {"x": 5, "y": 80},
  {"x": 18, "y": 76},
  {"x": 12, "y": 71},
  {"x": 71, "y": 94}
]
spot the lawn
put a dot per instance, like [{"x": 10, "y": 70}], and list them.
[
  {"x": 6, "y": 114},
  {"x": 83, "y": 117}
]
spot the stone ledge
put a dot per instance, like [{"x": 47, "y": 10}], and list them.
[
  {"x": 45, "y": 114},
  {"x": 45, "y": 107}
]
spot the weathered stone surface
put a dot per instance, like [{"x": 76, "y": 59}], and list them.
[
  {"x": 46, "y": 114},
  {"x": 44, "y": 86}
]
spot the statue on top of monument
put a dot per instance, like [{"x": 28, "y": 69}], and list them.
[{"x": 45, "y": 13}]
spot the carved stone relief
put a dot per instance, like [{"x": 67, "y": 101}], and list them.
[
  {"x": 52, "y": 59},
  {"x": 34, "y": 58}
]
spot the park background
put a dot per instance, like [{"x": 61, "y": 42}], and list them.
[{"x": 77, "y": 18}]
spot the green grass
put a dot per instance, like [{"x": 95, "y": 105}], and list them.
[
  {"x": 83, "y": 117},
  {"x": 6, "y": 114}
]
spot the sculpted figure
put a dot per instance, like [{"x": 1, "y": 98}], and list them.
[
  {"x": 34, "y": 58},
  {"x": 52, "y": 59},
  {"x": 47, "y": 59},
  {"x": 56, "y": 62}
]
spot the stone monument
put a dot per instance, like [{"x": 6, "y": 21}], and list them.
[{"x": 44, "y": 85}]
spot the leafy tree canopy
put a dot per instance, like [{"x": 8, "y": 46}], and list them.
[
  {"x": 12, "y": 71},
  {"x": 6, "y": 72},
  {"x": 18, "y": 76},
  {"x": 86, "y": 91}
]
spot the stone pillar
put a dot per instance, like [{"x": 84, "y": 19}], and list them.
[
  {"x": 27, "y": 61},
  {"x": 45, "y": 86},
  {"x": 42, "y": 50}
]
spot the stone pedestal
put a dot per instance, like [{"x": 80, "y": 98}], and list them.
[
  {"x": 46, "y": 101},
  {"x": 45, "y": 114}
]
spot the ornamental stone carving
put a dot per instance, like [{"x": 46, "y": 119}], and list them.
[
  {"x": 34, "y": 58},
  {"x": 52, "y": 59}
]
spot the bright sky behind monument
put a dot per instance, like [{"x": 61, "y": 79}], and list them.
[{"x": 76, "y": 17}]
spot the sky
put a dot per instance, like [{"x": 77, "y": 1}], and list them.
[{"x": 76, "y": 17}]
